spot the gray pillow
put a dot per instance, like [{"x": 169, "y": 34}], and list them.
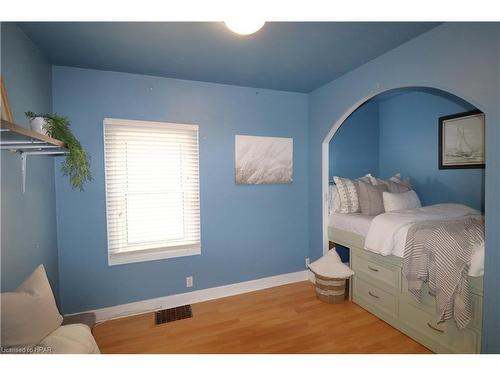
[
  {"x": 370, "y": 198},
  {"x": 397, "y": 187},
  {"x": 395, "y": 184}
]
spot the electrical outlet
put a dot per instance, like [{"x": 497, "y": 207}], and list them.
[
  {"x": 307, "y": 262},
  {"x": 189, "y": 281}
]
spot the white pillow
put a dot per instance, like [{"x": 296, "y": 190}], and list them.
[
  {"x": 400, "y": 201},
  {"x": 30, "y": 313}
]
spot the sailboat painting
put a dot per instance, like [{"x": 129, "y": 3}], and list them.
[{"x": 462, "y": 140}]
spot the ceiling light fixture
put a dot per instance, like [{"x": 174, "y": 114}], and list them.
[{"x": 244, "y": 26}]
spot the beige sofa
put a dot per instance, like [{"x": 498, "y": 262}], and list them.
[{"x": 31, "y": 322}]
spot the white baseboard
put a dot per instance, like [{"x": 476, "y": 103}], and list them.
[{"x": 166, "y": 302}]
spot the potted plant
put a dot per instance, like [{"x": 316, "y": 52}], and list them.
[
  {"x": 38, "y": 124},
  {"x": 77, "y": 163}
]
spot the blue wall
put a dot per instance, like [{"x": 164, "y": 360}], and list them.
[
  {"x": 248, "y": 232},
  {"x": 447, "y": 58},
  {"x": 28, "y": 220},
  {"x": 397, "y": 132},
  {"x": 354, "y": 150},
  {"x": 409, "y": 144}
]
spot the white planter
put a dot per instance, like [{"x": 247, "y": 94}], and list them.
[{"x": 38, "y": 124}]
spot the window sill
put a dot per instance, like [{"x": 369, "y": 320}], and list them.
[{"x": 147, "y": 256}]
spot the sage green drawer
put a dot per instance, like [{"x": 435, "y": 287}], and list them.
[
  {"x": 427, "y": 298},
  {"x": 386, "y": 274},
  {"x": 376, "y": 297},
  {"x": 477, "y": 310},
  {"x": 425, "y": 329},
  {"x": 428, "y": 303}
]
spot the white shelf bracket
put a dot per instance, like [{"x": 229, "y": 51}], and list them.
[
  {"x": 24, "y": 156},
  {"x": 24, "y": 159}
]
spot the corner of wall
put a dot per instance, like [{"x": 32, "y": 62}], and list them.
[{"x": 26, "y": 71}]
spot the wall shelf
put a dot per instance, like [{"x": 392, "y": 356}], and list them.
[
  {"x": 28, "y": 142},
  {"x": 16, "y": 138}
]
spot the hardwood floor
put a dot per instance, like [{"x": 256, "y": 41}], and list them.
[{"x": 285, "y": 319}]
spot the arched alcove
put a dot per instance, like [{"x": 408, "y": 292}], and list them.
[{"x": 380, "y": 96}]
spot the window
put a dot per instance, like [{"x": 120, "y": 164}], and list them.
[{"x": 152, "y": 190}]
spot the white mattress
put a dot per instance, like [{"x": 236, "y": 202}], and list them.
[
  {"x": 360, "y": 224},
  {"x": 355, "y": 223},
  {"x": 477, "y": 261}
]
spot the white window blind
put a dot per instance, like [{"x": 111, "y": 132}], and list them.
[{"x": 152, "y": 189}]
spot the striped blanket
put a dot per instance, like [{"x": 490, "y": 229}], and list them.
[{"x": 439, "y": 253}]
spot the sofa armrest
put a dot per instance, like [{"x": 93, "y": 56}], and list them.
[{"x": 84, "y": 318}]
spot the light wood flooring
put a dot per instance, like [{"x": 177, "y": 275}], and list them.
[{"x": 284, "y": 319}]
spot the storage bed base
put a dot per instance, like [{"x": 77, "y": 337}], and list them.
[{"x": 379, "y": 287}]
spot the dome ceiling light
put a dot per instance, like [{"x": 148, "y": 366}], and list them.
[{"x": 244, "y": 26}]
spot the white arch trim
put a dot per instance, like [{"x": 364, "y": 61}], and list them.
[{"x": 326, "y": 145}]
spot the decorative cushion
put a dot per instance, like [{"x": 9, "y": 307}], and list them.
[
  {"x": 368, "y": 178},
  {"x": 334, "y": 199},
  {"x": 30, "y": 313},
  {"x": 396, "y": 187},
  {"x": 401, "y": 201},
  {"x": 348, "y": 195},
  {"x": 396, "y": 177},
  {"x": 395, "y": 184},
  {"x": 370, "y": 198}
]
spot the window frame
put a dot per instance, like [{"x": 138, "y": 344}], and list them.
[{"x": 152, "y": 254}]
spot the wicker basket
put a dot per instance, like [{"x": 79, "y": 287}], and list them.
[{"x": 330, "y": 290}]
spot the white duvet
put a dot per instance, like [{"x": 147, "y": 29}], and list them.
[{"x": 387, "y": 233}]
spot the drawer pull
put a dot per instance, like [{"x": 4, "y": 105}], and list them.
[
  {"x": 373, "y": 295},
  {"x": 434, "y": 328},
  {"x": 372, "y": 269},
  {"x": 432, "y": 294}
]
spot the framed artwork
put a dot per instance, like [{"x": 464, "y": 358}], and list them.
[
  {"x": 461, "y": 140},
  {"x": 263, "y": 160}
]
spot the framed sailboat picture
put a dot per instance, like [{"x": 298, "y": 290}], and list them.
[{"x": 461, "y": 140}]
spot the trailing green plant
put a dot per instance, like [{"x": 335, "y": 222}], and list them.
[{"x": 77, "y": 163}]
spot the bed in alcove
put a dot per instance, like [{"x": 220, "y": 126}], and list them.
[{"x": 389, "y": 146}]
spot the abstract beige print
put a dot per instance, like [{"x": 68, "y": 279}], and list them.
[{"x": 263, "y": 160}]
